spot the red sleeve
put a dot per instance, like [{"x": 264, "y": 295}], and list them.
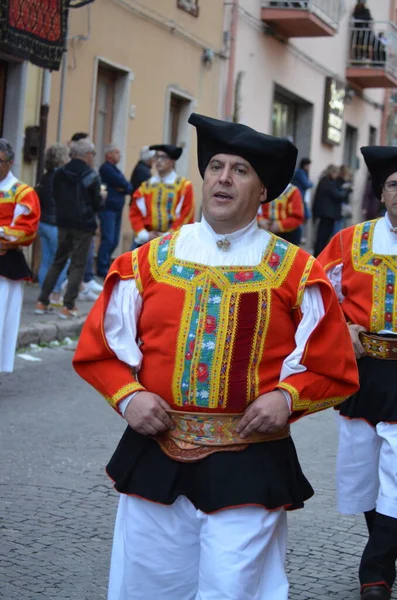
[
  {"x": 24, "y": 227},
  {"x": 295, "y": 216},
  {"x": 187, "y": 211},
  {"x": 136, "y": 218},
  {"x": 331, "y": 373},
  {"x": 94, "y": 361}
]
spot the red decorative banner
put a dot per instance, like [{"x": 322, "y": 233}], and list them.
[{"x": 34, "y": 30}]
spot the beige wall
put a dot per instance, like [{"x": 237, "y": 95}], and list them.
[
  {"x": 301, "y": 67},
  {"x": 159, "y": 48}
]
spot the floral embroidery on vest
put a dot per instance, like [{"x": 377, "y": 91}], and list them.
[
  {"x": 383, "y": 269},
  {"x": 216, "y": 299}
]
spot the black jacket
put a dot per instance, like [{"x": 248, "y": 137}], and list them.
[
  {"x": 77, "y": 196},
  {"x": 140, "y": 174},
  {"x": 45, "y": 192},
  {"x": 328, "y": 200}
]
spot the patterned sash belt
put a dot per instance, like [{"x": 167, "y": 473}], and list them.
[
  {"x": 197, "y": 435},
  {"x": 379, "y": 346}
]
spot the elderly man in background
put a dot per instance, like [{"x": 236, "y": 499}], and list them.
[
  {"x": 165, "y": 202},
  {"x": 143, "y": 168},
  {"x": 19, "y": 220},
  {"x": 117, "y": 188},
  {"x": 78, "y": 199}
]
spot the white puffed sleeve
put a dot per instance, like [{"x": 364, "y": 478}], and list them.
[{"x": 312, "y": 308}]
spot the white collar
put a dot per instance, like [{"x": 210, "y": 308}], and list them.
[
  {"x": 7, "y": 183},
  {"x": 237, "y": 236},
  {"x": 390, "y": 227},
  {"x": 170, "y": 178}
]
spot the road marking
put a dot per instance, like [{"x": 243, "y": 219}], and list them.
[{"x": 29, "y": 357}]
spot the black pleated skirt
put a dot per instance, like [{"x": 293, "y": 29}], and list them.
[
  {"x": 13, "y": 265},
  {"x": 376, "y": 400},
  {"x": 266, "y": 474}
]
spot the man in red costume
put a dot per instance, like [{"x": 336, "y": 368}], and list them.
[
  {"x": 210, "y": 341},
  {"x": 285, "y": 215},
  {"x": 19, "y": 220},
  {"x": 361, "y": 262},
  {"x": 163, "y": 203}
]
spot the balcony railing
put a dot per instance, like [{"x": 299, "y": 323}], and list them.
[
  {"x": 373, "y": 54},
  {"x": 329, "y": 11}
]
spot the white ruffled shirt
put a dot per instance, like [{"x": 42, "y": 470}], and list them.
[
  {"x": 384, "y": 242},
  {"x": 197, "y": 243}
]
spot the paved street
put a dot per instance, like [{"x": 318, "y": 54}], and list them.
[{"x": 57, "y": 505}]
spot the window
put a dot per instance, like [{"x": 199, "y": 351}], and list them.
[
  {"x": 283, "y": 118},
  {"x": 104, "y": 109},
  {"x": 373, "y": 134},
  {"x": 190, "y": 6}
]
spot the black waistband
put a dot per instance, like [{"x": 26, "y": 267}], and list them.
[{"x": 13, "y": 265}]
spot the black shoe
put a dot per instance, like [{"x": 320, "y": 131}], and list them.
[{"x": 375, "y": 592}]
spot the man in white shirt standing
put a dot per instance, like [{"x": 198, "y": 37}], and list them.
[
  {"x": 361, "y": 263},
  {"x": 233, "y": 325}
]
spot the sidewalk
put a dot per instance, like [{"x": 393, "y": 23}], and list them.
[{"x": 42, "y": 329}]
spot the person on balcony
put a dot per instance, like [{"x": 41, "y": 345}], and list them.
[{"x": 363, "y": 38}]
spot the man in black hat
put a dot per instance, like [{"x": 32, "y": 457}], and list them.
[
  {"x": 233, "y": 324},
  {"x": 361, "y": 262},
  {"x": 163, "y": 203}
]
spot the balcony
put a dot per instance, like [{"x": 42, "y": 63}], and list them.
[
  {"x": 302, "y": 18},
  {"x": 372, "y": 59}
]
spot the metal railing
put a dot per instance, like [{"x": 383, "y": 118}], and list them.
[
  {"x": 373, "y": 44},
  {"x": 328, "y": 11}
]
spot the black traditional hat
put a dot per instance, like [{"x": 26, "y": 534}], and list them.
[
  {"x": 173, "y": 151},
  {"x": 272, "y": 158},
  {"x": 381, "y": 162}
]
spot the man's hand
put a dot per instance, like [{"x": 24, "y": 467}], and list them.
[
  {"x": 354, "y": 330},
  {"x": 263, "y": 223},
  {"x": 274, "y": 228},
  {"x": 153, "y": 235},
  {"x": 147, "y": 414},
  {"x": 266, "y": 414}
]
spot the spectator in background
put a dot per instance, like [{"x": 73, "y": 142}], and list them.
[
  {"x": 371, "y": 206},
  {"x": 327, "y": 207},
  {"x": 301, "y": 178},
  {"x": 117, "y": 188},
  {"x": 78, "y": 200},
  {"x": 362, "y": 36},
  {"x": 143, "y": 169},
  {"x": 302, "y": 181},
  {"x": 89, "y": 288},
  {"x": 165, "y": 202},
  {"x": 56, "y": 156},
  {"x": 344, "y": 182}
]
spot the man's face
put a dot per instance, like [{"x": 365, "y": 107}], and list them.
[
  {"x": 389, "y": 197},
  {"x": 5, "y": 165},
  {"x": 164, "y": 164},
  {"x": 114, "y": 156},
  {"x": 232, "y": 192}
]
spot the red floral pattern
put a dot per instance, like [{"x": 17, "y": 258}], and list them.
[
  {"x": 202, "y": 372},
  {"x": 210, "y": 324},
  {"x": 274, "y": 260},
  {"x": 244, "y": 276}
]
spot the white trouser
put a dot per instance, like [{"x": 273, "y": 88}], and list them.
[
  {"x": 11, "y": 297},
  {"x": 366, "y": 467},
  {"x": 180, "y": 553}
]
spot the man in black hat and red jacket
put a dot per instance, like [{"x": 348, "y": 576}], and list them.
[
  {"x": 361, "y": 262},
  {"x": 163, "y": 203},
  {"x": 210, "y": 341}
]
